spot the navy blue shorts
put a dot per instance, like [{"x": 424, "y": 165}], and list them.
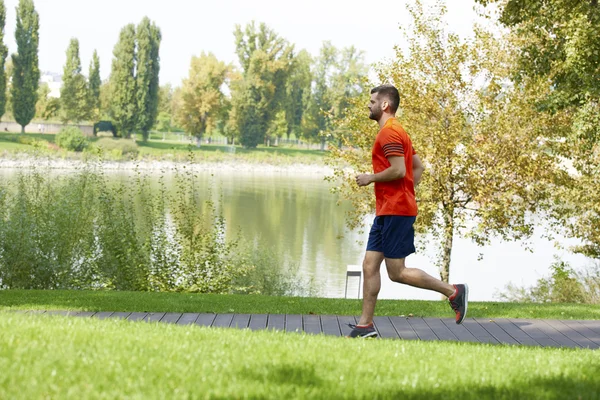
[{"x": 392, "y": 235}]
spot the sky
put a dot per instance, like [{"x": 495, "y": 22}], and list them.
[{"x": 190, "y": 27}]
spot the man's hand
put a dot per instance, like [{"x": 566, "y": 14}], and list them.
[{"x": 364, "y": 179}]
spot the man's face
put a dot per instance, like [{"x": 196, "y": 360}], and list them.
[{"x": 375, "y": 107}]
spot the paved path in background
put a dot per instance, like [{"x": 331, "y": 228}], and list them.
[{"x": 529, "y": 332}]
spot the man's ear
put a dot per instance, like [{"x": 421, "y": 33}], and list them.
[{"x": 384, "y": 105}]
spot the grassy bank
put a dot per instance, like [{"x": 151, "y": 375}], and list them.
[
  {"x": 13, "y": 144},
  {"x": 71, "y": 358},
  {"x": 247, "y": 304}
]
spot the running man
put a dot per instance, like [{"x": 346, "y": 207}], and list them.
[{"x": 397, "y": 170}]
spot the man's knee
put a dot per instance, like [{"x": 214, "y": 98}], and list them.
[
  {"x": 370, "y": 269},
  {"x": 397, "y": 276}
]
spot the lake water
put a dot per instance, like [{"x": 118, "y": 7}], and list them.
[{"x": 298, "y": 217}]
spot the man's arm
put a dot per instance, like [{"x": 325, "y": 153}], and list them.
[
  {"x": 396, "y": 170},
  {"x": 418, "y": 169}
]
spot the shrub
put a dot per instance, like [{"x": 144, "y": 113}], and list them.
[
  {"x": 565, "y": 285},
  {"x": 272, "y": 276},
  {"x": 117, "y": 147},
  {"x": 72, "y": 139}
]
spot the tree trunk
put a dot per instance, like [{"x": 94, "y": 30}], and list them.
[
  {"x": 447, "y": 239},
  {"x": 22, "y": 129},
  {"x": 198, "y": 141}
]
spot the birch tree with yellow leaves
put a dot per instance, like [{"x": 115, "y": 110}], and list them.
[{"x": 489, "y": 170}]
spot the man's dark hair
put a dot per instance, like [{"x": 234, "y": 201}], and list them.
[{"x": 391, "y": 93}]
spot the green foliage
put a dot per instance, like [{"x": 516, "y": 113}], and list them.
[
  {"x": 147, "y": 71},
  {"x": 565, "y": 285},
  {"x": 46, "y": 240},
  {"x": 80, "y": 231},
  {"x": 72, "y": 139},
  {"x": 94, "y": 84},
  {"x": 122, "y": 99},
  {"x": 266, "y": 60},
  {"x": 74, "y": 95},
  {"x": 3, "y": 55},
  {"x": 558, "y": 45},
  {"x": 337, "y": 82},
  {"x": 298, "y": 92},
  {"x": 26, "y": 72},
  {"x": 105, "y": 126},
  {"x": 270, "y": 275}
]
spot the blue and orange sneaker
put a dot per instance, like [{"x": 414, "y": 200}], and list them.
[{"x": 459, "y": 301}]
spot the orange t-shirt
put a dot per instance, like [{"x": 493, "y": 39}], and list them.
[{"x": 395, "y": 197}]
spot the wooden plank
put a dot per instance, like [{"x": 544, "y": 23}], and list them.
[
  {"x": 423, "y": 331},
  {"x": 137, "y": 316},
  {"x": 500, "y": 334},
  {"x": 154, "y": 317},
  {"x": 460, "y": 331},
  {"x": 205, "y": 319},
  {"x": 553, "y": 334},
  {"x": 188, "y": 318},
  {"x": 592, "y": 325},
  {"x": 572, "y": 334},
  {"x": 478, "y": 331},
  {"x": 385, "y": 328},
  {"x": 61, "y": 313},
  {"x": 330, "y": 325},
  {"x": 404, "y": 329},
  {"x": 293, "y": 323},
  {"x": 582, "y": 329},
  {"x": 276, "y": 321},
  {"x": 120, "y": 315},
  {"x": 240, "y": 321},
  {"x": 343, "y": 321},
  {"x": 536, "y": 334},
  {"x": 103, "y": 314},
  {"x": 312, "y": 324},
  {"x": 258, "y": 321},
  {"x": 440, "y": 329},
  {"x": 222, "y": 321},
  {"x": 517, "y": 333},
  {"x": 85, "y": 314},
  {"x": 171, "y": 318}
]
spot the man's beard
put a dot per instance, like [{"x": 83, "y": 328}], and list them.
[{"x": 375, "y": 115}]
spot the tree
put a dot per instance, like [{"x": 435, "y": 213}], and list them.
[
  {"x": 26, "y": 72},
  {"x": 47, "y": 107},
  {"x": 74, "y": 92},
  {"x": 266, "y": 62},
  {"x": 558, "y": 44},
  {"x": 337, "y": 78},
  {"x": 123, "y": 107},
  {"x": 316, "y": 122},
  {"x": 3, "y": 54},
  {"x": 94, "y": 86},
  {"x": 298, "y": 92},
  {"x": 201, "y": 96},
  {"x": 487, "y": 171},
  {"x": 147, "y": 70}
]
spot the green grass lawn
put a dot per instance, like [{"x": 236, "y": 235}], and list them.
[
  {"x": 174, "y": 150},
  {"x": 43, "y": 357},
  {"x": 248, "y": 304}
]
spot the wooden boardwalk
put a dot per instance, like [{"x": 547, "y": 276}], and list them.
[{"x": 529, "y": 332}]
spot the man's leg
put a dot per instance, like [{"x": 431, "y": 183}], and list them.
[
  {"x": 371, "y": 285},
  {"x": 398, "y": 272}
]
